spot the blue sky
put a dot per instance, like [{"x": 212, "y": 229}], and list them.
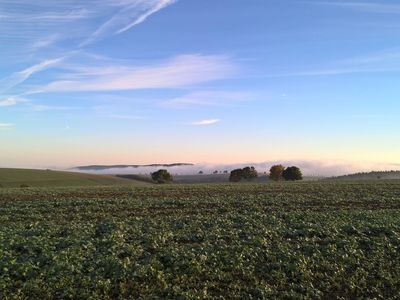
[{"x": 219, "y": 81}]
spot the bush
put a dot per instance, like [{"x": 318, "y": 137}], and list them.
[
  {"x": 292, "y": 173},
  {"x": 162, "y": 176}
]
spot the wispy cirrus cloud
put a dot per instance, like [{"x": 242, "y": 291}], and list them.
[
  {"x": 177, "y": 72},
  {"x": 206, "y": 122},
  {"x": 131, "y": 14},
  {"x": 44, "y": 42},
  {"x": 155, "y": 7},
  {"x": 20, "y": 76},
  {"x": 30, "y": 20},
  {"x": 28, "y": 26}
]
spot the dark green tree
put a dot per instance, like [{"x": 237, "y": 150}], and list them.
[
  {"x": 236, "y": 175},
  {"x": 292, "y": 173},
  {"x": 276, "y": 172},
  {"x": 162, "y": 176},
  {"x": 249, "y": 173}
]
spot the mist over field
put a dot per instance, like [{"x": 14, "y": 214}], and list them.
[{"x": 309, "y": 168}]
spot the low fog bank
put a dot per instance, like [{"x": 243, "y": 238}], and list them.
[{"x": 309, "y": 168}]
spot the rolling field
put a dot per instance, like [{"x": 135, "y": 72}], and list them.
[
  {"x": 48, "y": 178},
  {"x": 329, "y": 240}
]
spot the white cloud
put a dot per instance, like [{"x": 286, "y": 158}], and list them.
[
  {"x": 206, "y": 98},
  {"x": 41, "y": 107},
  {"x": 180, "y": 71},
  {"x": 11, "y": 101},
  {"x": 6, "y": 126},
  {"x": 14, "y": 100},
  {"x": 206, "y": 122}
]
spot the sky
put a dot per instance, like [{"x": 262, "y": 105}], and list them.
[{"x": 199, "y": 81}]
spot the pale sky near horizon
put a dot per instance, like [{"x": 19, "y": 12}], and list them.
[{"x": 216, "y": 81}]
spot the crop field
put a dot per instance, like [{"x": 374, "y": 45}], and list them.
[
  {"x": 11, "y": 178},
  {"x": 330, "y": 240}
]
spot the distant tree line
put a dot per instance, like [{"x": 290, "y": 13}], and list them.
[{"x": 276, "y": 173}]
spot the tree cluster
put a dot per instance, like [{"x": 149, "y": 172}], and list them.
[
  {"x": 279, "y": 172},
  {"x": 247, "y": 173}
]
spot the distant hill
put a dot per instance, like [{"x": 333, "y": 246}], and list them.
[
  {"x": 48, "y": 178},
  {"x": 370, "y": 175},
  {"x": 108, "y": 167}
]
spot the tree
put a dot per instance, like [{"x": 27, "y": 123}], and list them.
[
  {"x": 292, "y": 173},
  {"x": 162, "y": 176},
  {"x": 249, "y": 173},
  {"x": 276, "y": 172},
  {"x": 236, "y": 175}
]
